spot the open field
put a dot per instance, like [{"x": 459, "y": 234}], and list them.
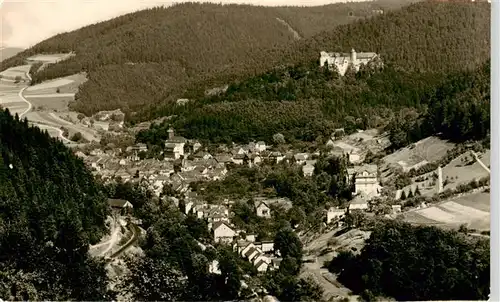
[
  {"x": 47, "y": 103},
  {"x": 455, "y": 173},
  {"x": 49, "y": 85},
  {"x": 429, "y": 149},
  {"x": 49, "y": 58},
  {"x": 472, "y": 210},
  {"x": 459, "y": 173},
  {"x": 9, "y": 97},
  {"x": 13, "y": 72},
  {"x": 42, "y": 108}
]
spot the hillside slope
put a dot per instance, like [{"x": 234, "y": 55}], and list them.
[
  {"x": 50, "y": 211},
  {"x": 143, "y": 57},
  {"x": 423, "y": 37}
]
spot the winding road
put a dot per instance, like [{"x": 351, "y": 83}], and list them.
[
  {"x": 480, "y": 161},
  {"x": 10, "y": 95}
]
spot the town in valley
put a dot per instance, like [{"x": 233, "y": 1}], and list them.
[{"x": 305, "y": 182}]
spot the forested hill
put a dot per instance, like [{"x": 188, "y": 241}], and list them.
[
  {"x": 50, "y": 211},
  {"x": 423, "y": 37},
  {"x": 144, "y": 57},
  {"x": 307, "y": 103},
  {"x": 426, "y": 36}
]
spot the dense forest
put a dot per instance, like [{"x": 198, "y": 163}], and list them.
[
  {"x": 152, "y": 55},
  {"x": 50, "y": 211},
  {"x": 458, "y": 110},
  {"x": 307, "y": 103},
  {"x": 417, "y": 264}
]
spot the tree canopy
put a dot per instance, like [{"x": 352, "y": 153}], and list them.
[
  {"x": 420, "y": 263},
  {"x": 50, "y": 211}
]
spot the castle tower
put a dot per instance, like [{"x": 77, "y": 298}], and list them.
[
  {"x": 170, "y": 133},
  {"x": 353, "y": 56},
  {"x": 440, "y": 180}
]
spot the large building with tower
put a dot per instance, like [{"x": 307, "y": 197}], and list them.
[{"x": 343, "y": 60}]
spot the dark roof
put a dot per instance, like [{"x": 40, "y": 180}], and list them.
[
  {"x": 117, "y": 203},
  {"x": 239, "y": 156},
  {"x": 223, "y": 158},
  {"x": 219, "y": 223},
  {"x": 250, "y": 251},
  {"x": 261, "y": 261},
  {"x": 262, "y": 203}
]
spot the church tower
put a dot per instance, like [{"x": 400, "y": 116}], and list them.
[{"x": 353, "y": 56}]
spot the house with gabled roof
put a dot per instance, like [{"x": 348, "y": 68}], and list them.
[
  {"x": 263, "y": 210},
  {"x": 121, "y": 206},
  {"x": 300, "y": 158},
  {"x": 261, "y": 265},
  {"x": 223, "y": 232},
  {"x": 239, "y": 159},
  {"x": 276, "y": 157},
  {"x": 202, "y": 155},
  {"x": 366, "y": 180}
]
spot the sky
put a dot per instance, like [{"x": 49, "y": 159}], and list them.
[{"x": 27, "y": 22}]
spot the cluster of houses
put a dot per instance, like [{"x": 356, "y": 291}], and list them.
[
  {"x": 260, "y": 254},
  {"x": 185, "y": 162}
]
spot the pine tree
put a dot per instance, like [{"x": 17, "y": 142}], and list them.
[
  {"x": 403, "y": 195},
  {"x": 417, "y": 191}
]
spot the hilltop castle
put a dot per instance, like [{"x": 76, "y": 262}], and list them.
[{"x": 343, "y": 60}]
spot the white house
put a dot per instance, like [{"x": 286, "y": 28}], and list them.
[
  {"x": 238, "y": 158},
  {"x": 366, "y": 181},
  {"x": 354, "y": 157},
  {"x": 250, "y": 237},
  {"x": 276, "y": 157},
  {"x": 223, "y": 232},
  {"x": 244, "y": 247},
  {"x": 267, "y": 246},
  {"x": 252, "y": 253},
  {"x": 396, "y": 209},
  {"x": 263, "y": 210},
  {"x": 341, "y": 148},
  {"x": 334, "y": 214},
  {"x": 308, "y": 170}
]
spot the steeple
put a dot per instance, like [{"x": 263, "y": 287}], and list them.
[{"x": 353, "y": 56}]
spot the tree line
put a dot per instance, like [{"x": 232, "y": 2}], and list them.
[
  {"x": 306, "y": 103},
  {"x": 50, "y": 211},
  {"x": 410, "y": 263}
]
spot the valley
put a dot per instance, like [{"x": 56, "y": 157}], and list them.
[{"x": 209, "y": 152}]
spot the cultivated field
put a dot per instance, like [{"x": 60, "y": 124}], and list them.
[
  {"x": 460, "y": 170},
  {"x": 49, "y": 58},
  {"x": 471, "y": 210},
  {"x": 11, "y": 73},
  {"x": 429, "y": 149}
]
